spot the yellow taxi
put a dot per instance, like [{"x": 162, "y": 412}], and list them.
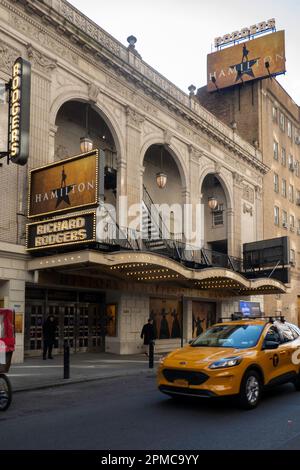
[{"x": 239, "y": 357}]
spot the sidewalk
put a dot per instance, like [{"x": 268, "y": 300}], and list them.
[{"x": 35, "y": 373}]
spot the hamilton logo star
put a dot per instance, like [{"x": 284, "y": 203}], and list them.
[
  {"x": 63, "y": 191},
  {"x": 245, "y": 66}
]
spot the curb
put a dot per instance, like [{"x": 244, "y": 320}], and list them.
[{"x": 148, "y": 373}]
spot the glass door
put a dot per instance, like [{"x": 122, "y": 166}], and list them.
[
  {"x": 96, "y": 329},
  {"x": 35, "y": 314},
  {"x": 82, "y": 328}
]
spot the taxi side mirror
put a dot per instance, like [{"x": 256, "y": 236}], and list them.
[{"x": 268, "y": 344}]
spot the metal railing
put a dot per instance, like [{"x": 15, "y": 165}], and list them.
[{"x": 115, "y": 237}]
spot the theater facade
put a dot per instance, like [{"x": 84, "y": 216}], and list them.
[{"x": 81, "y": 234}]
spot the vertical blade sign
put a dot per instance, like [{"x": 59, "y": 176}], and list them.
[{"x": 19, "y": 112}]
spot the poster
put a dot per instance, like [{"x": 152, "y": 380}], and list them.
[
  {"x": 167, "y": 316},
  {"x": 204, "y": 315},
  {"x": 111, "y": 320}
]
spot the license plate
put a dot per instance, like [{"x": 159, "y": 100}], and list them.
[{"x": 181, "y": 382}]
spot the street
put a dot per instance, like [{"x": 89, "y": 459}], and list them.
[{"x": 129, "y": 413}]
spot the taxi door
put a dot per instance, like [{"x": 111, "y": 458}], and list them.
[
  {"x": 288, "y": 347},
  {"x": 272, "y": 361}
]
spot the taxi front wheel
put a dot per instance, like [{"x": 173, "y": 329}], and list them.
[{"x": 250, "y": 390}]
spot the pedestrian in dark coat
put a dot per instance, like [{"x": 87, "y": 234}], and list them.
[
  {"x": 49, "y": 332},
  {"x": 148, "y": 334}
]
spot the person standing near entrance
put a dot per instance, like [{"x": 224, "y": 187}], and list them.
[
  {"x": 148, "y": 334},
  {"x": 49, "y": 331}
]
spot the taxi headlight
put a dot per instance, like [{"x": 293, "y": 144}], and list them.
[
  {"x": 226, "y": 362},
  {"x": 162, "y": 360}
]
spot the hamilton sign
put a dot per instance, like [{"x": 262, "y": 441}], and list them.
[{"x": 64, "y": 186}]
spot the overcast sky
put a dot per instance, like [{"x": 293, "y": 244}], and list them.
[{"x": 175, "y": 36}]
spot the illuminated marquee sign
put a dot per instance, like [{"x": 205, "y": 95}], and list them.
[
  {"x": 246, "y": 32},
  {"x": 258, "y": 58},
  {"x": 19, "y": 112},
  {"x": 62, "y": 231},
  {"x": 64, "y": 186}
]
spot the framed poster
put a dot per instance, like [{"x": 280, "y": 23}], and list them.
[
  {"x": 111, "y": 319},
  {"x": 167, "y": 316}
]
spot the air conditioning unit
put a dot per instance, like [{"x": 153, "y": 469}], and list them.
[
  {"x": 297, "y": 139},
  {"x": 285, "y": 225}
]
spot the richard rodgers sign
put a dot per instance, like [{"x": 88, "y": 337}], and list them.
[
  {"x": 19, "y": 112},
  {"x": 61, "y": 231}
]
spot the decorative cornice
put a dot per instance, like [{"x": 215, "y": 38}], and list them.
[{"x": 72, "y": 23}]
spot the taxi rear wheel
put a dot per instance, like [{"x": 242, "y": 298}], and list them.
[{"x": 250, "y": 390}]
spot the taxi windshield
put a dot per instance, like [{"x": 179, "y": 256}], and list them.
[{"x": 229, "y": 336}]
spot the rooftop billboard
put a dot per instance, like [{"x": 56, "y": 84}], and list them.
[{"x": 258, "y": 58}]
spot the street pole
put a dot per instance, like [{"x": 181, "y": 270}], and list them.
[
  {"x": 151, "y": 354},
  {"x": 66, "y": 360}
]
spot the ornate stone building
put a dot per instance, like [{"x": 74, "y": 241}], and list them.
[
  {"x": 140, "y": 121},
  {"x": 265, "y": 115}
]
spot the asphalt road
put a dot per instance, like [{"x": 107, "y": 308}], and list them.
[{"x": 130, "y": 413}]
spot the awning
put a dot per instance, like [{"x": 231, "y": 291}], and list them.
[{"x": 145, "y": 267}]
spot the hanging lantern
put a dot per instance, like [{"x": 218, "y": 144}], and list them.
[
  {"x": 212, "y": 203},
  {"x": 86, "y": 144},
  {"x": 161, "y": 179}
]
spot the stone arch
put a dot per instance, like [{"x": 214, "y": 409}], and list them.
[
  {"x": 77, "y": 94},
  {"x": 211, "y": 169},
  {"x": 156, "y": 139}
]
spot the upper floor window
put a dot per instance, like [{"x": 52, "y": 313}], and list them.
[
  {"x": 289, "y": 129},
  {"x": 276, "y": 183},
  {"x": 291, "y": 162},
  {"x": 284, "y": 219},
  {"x": 283, "y": 156},
  {"x": 291, "y": 193},
  {"x": 275, "y": 150},
  {"x": 292, "y": 257},
  {"x": 282, "y": 121},
  {"x": 296, "y": 167},
  {"x": 218, "y": 218},
  {"x": 298, "y": 197},
  {"x": 276, "y": 215},
  {"x": 292, "y": 222},
  {"x": 283, "y": 188},
  {"x": 274, "y": 113}
]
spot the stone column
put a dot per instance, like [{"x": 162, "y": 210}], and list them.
[
  {"x": 52, "y": 135},
  {"x": 259, "y": 213},
  {"x": 234, "y": 219},
  {"x": 42, "y": 68},
  {"x": 187, "y": 320},
  {"x": 133, "y": 146}
]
